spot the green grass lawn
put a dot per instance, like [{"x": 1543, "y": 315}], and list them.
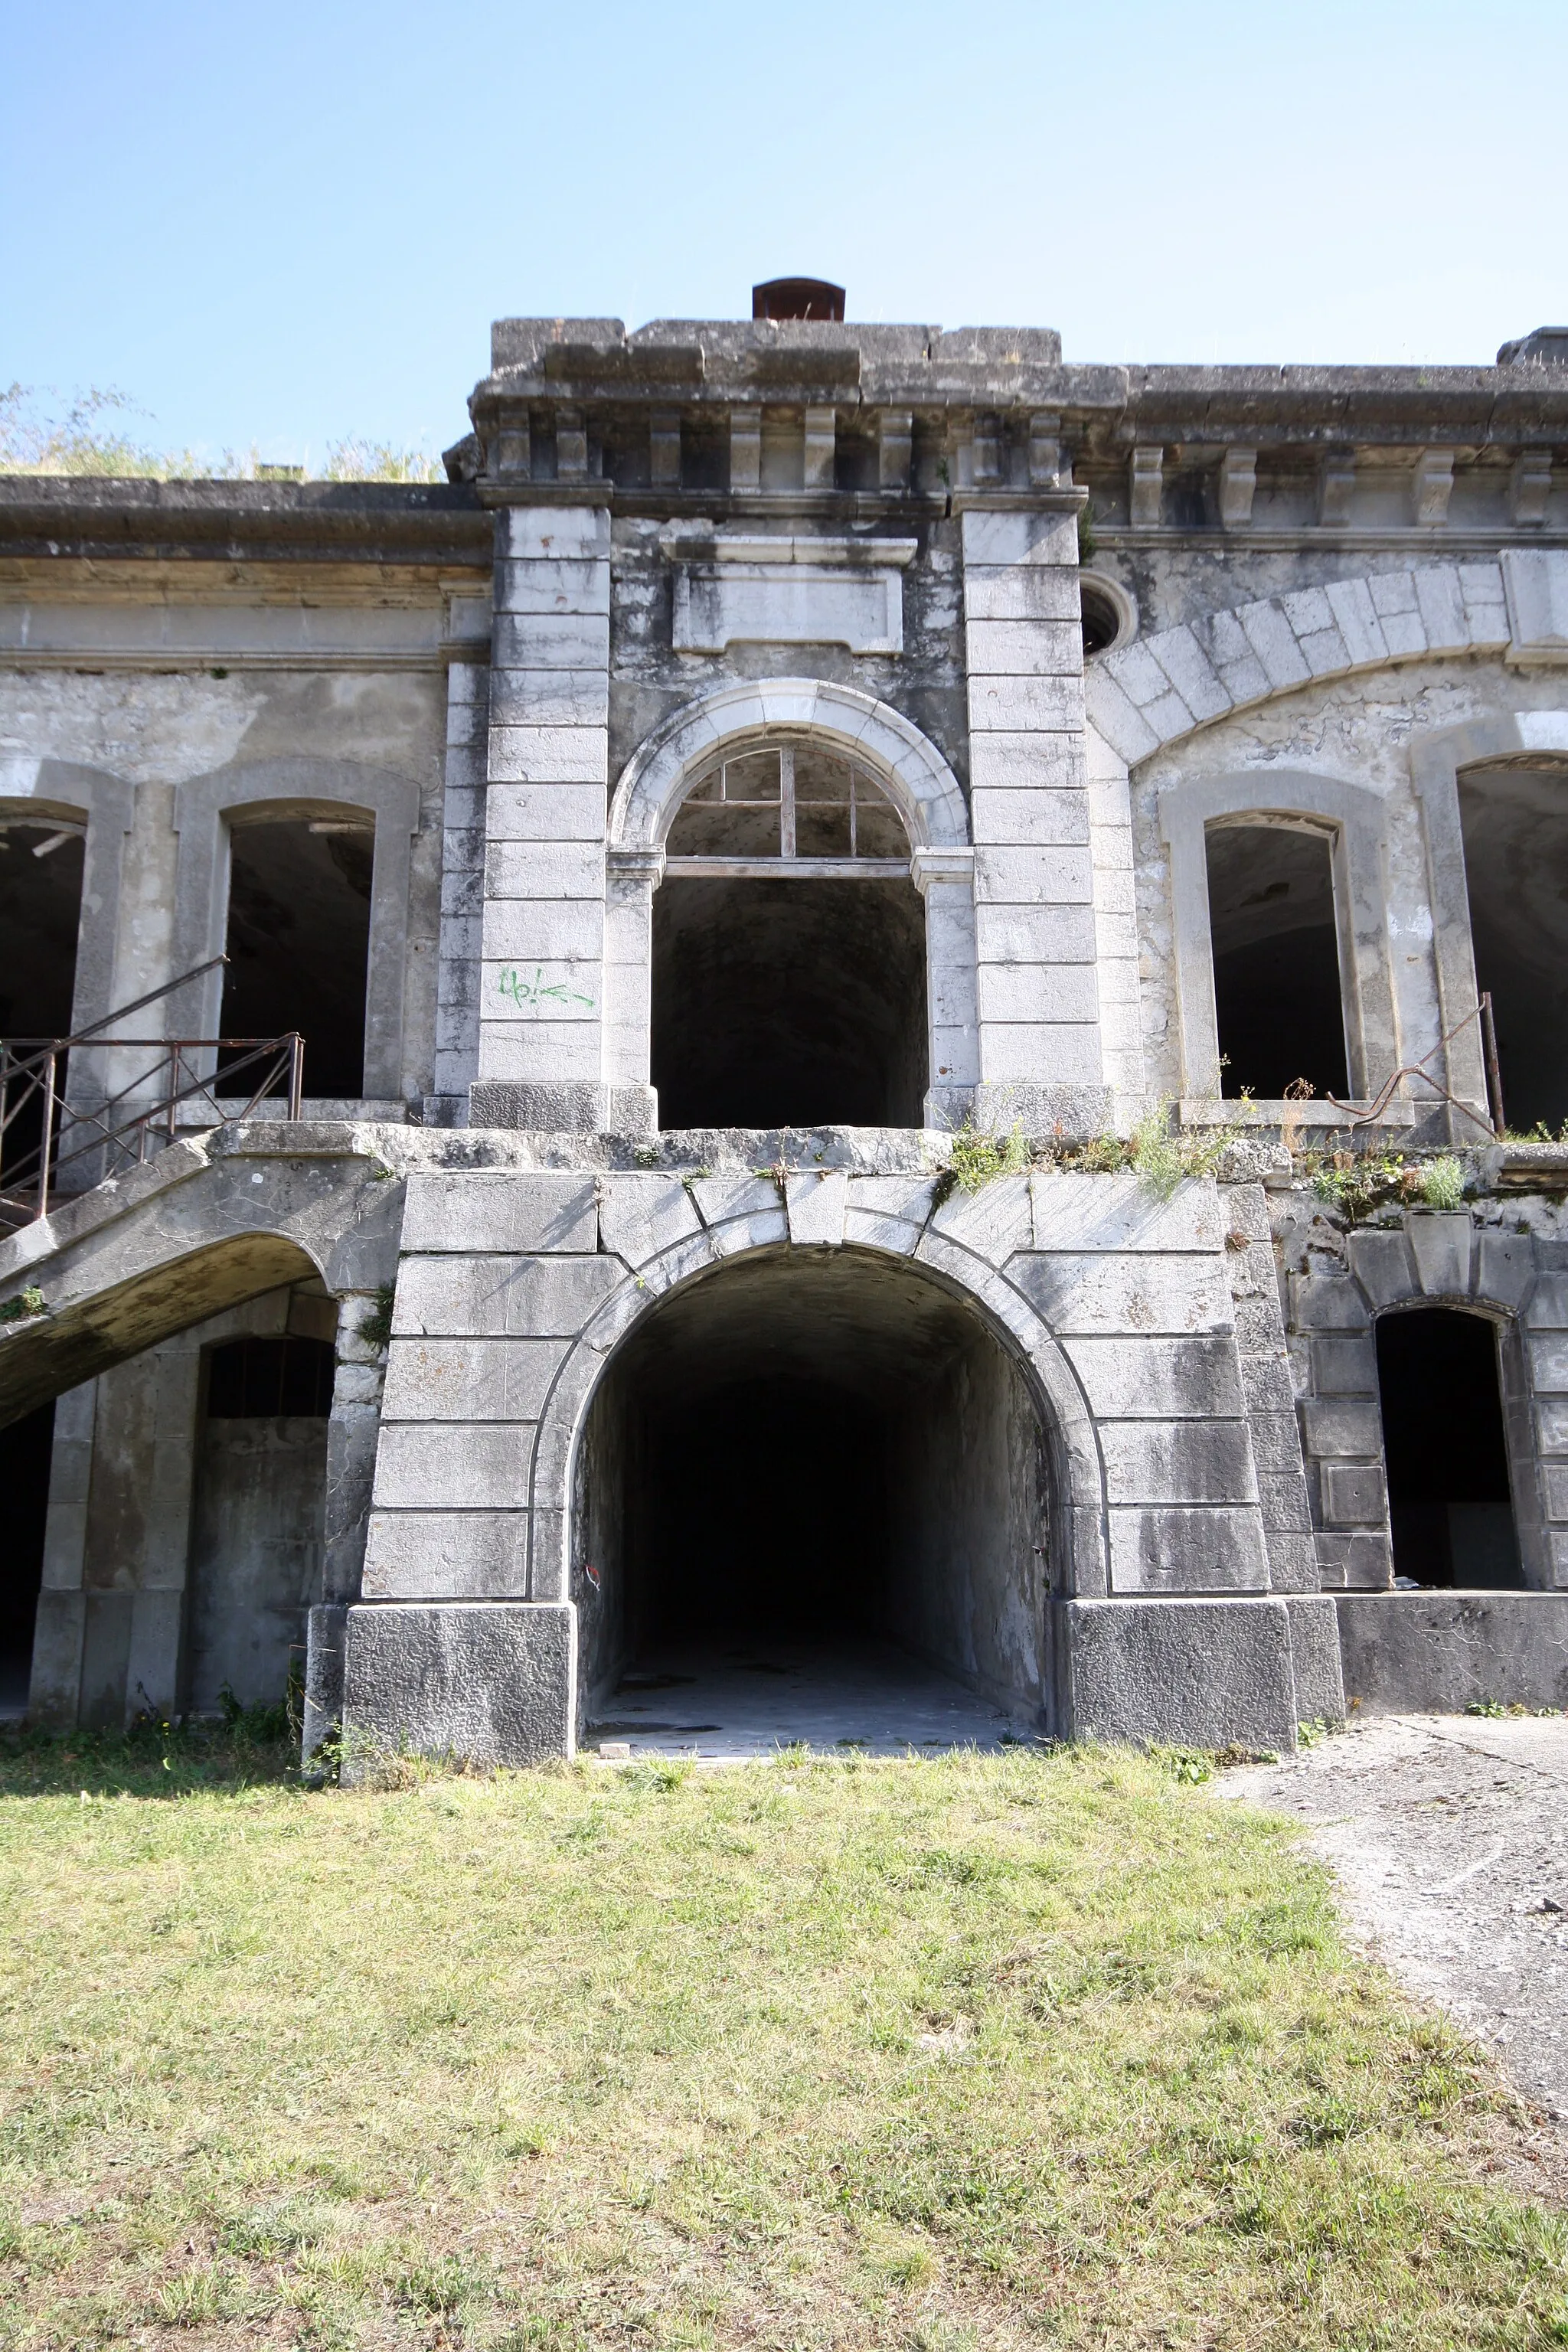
[{"x": 981, "y": 2051}]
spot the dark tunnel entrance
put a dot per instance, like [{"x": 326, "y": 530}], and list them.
[
  {"x": 816, "y": 1483},
  {"x": 1515, "y": 823},
  {"x": 789, "y": 1003},
  {"x": 299, "y": 941},
  {"x": 1275, "y": 943},
  {"x": 1444, "y": 1449}
]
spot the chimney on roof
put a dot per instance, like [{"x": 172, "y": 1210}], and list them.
[{"x": 797, "y": 298}]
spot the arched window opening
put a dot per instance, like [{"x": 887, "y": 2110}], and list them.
[
  {"x": 806, "y": 1477},
  {"x": 792, "y": 801},
  {"x": 1515, "y": 825},
  {"x": 258, "y": 1515},
  {"x": 26, "y": 1450},
  {"x": 788, "y": 949},
  {"x": 1275, "y": 943},
  {"x": 41, "y": 861},
  {"x": 1446, "y": 1453},
  {"x": 298, "y": 940}
]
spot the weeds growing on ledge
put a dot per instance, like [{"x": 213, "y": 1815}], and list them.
[
  {"x": 1355, "y": 1183},
  {"x": 1003, "y": 2051},
  {"x": 1160, "y": 1155}
]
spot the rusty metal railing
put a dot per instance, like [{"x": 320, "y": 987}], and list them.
[{"x": 122, "y": 1125}]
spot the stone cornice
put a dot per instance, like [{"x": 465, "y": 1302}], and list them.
[{"x": 89, "y": 516}]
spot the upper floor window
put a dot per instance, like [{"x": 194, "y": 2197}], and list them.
[
  {"x": 789, "y": 805},
  {"x": 1279, "y": 1001}
]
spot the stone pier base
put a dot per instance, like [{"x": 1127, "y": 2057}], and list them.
[{"x": 489, "y": 1682}]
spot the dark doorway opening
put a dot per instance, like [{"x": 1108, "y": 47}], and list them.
[
  {"x": 40, "y": 919},
  {"x": 1515, "y": 822},
  {"x": 257, "y": 1517},
  {"x": 789, "y": 1003},
  {"x": 299, "y": 941},
  {"x": 26, "y": 1452},
  {"x": 1276, "y": 961},
  {"x": 805, "y": 1462},
  {"x": 1449, "y": 1502}
]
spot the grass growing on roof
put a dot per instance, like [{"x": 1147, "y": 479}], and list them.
[{"x": 977, "y": 2052}]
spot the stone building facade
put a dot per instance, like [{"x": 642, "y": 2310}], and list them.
[{"x": 779, "y": 748}]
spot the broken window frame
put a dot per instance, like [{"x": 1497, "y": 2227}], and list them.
[{"x": 865, "y": 790}]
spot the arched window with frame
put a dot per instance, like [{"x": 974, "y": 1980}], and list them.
[{"x": 789, "y": 984}]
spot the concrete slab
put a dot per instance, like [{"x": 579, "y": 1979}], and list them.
[{"x": 747, "y": 1700}]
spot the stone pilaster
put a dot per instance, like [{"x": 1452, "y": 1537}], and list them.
[
  {"x": 462, "y": 896},
  {"x": 1039, "y": 1044},
  {"x": 542, "y": 981}
]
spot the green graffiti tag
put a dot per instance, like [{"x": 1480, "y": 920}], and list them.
[{"x": 532, "y": 995}]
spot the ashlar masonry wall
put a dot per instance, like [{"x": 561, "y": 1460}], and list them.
[{"x": 515, "y": 1287}]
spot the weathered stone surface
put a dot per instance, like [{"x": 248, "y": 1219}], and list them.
[
  {"x": 490, "y": 1209},
  {"x": 1198, "y": 1673},
  {"x": 491, "y": 1683},
  {"x": 469, "y": 1379},
  {"x": 1089, "y": 1292},
  {"x": 641, "y": 1215},
  {"x": 1130, "y": 1377},
  {"x": 1191, "y": 1549},
  {"x": 464, "y": 1297},
  {"x": 1188, "y": 1461},
  {"x": 1407, "y": 1653},
  {"x": 446, "y": 1555}
]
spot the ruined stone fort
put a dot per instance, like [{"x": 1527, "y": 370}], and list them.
[{"x": 868, "y": 1005}]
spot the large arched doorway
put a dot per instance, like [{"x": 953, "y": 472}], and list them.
[
  {"x": 813, "y": 1488},
  {"x": 789, "y": 955}
]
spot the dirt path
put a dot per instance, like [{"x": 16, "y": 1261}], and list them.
[{"x": 1450, "y": 1838}]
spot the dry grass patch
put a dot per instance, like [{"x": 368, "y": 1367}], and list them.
[{"x": 994, "y": 2052}]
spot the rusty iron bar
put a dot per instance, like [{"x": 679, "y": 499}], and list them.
[
  {"x": 1386, "y": 1094},
  {"x": 1494, "y": 1074}
]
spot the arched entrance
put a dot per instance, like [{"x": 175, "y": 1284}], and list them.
[{"x": 812, "y": 1487}]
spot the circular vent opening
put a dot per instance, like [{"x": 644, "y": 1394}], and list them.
[{"x": 1106, "y": 614}]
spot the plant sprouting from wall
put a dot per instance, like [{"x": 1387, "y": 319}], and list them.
[
  {"x": 979, "y": 1156},
  {"x": 375, "y": 1326},
  {"x": 1356, "y": 1184}
]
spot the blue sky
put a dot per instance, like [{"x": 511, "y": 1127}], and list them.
[{"x": 285, "y": 225}]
